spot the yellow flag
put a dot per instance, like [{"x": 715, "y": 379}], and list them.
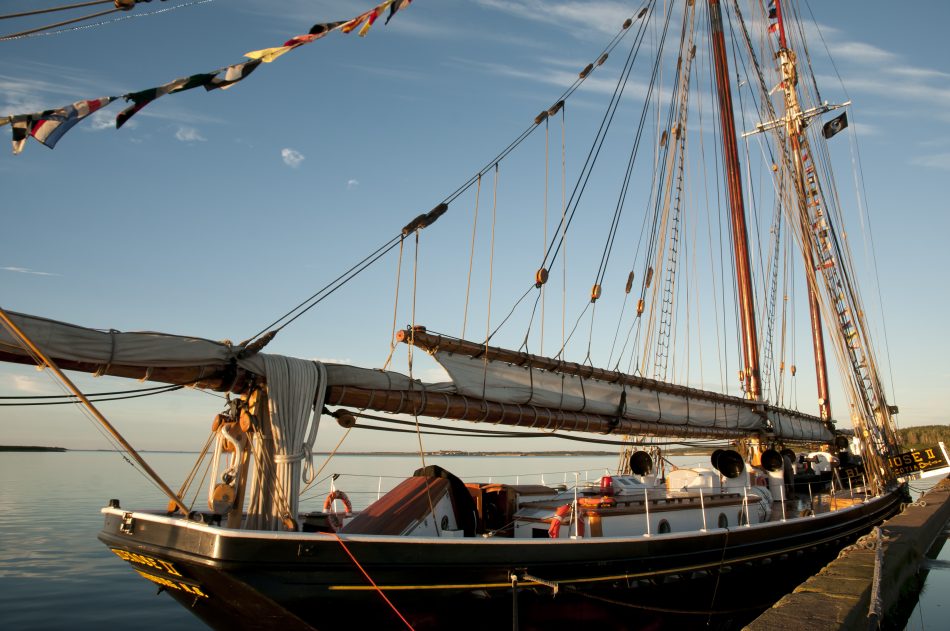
[{"x": 268, "y": 55}]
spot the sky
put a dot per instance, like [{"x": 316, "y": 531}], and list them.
[{"x": 213, "y": 213}]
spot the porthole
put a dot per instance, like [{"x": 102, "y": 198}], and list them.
[
  {"x": 723, "y": 520},
  {"x": 664, "y": 527}
]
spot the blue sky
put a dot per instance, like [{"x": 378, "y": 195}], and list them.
[{"x": 211, "y": 214}]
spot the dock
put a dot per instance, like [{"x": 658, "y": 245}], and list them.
[{"x": 840, "y": 596}]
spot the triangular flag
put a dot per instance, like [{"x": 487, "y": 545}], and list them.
[
  {"x": 322, "y": 29},
  {"x": 268, "y": 55},
  {"x": 21, "y": 131},
  {"x": 51, "y": 125},
  {"x": 352, "y": 24},
  {"x": 143, "y": 98},
  {"x": 232, "y": 74},
  {"x": 396, "y": 6},
  {"x": 373, "y": 15}
]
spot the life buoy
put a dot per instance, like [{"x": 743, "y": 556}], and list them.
[
  {"x": 560, "y": 517},
  {"x": 328, "y": 507},
  {"x": 597, "y": 502},
  {"x": 563, "y": 516}
]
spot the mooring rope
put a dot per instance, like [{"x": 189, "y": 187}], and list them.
[{"x": 371, "y": 581}]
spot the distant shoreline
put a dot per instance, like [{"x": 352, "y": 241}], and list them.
[{"x": 30, "y": 448}]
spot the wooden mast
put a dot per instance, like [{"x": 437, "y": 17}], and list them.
[
  {"x": 740, "y": 239},
  {"x": 795, "y": 129}
]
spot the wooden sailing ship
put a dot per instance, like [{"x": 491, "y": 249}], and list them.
[{"x": 437, "y": 551}]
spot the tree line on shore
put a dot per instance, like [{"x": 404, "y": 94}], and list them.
[{"x": 924, "y": 436}]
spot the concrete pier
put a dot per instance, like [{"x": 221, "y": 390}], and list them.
[{"x": 839, "y": 596}]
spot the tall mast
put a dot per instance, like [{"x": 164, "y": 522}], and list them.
[
  {"x": 826, "y": 259},
  {"x": 740, "y": 239},
  {"x": 804, "y": 183}
]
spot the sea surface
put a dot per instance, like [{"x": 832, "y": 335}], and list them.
[{"x": 55, "y": 574}]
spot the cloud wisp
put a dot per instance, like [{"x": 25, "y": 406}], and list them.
[
  {"x": 26, "y": 270},
  {"x": 292, "y": 157},
  {"x": 189, "y": 134}
]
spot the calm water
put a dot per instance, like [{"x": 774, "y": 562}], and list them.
[
  {"x": 930, "y": 613},
  {"x": 55, "y": 574}
]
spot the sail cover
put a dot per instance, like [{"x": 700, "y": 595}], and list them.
[
  {"x": 76, "y": 343},
  {"x": 149, "y": 349},
  {"x": 507, "y": 383}
]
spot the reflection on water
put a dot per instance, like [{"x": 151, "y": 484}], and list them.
[
  {"x": 929, "y": 613},
  {"x": 55, "y": 574}
]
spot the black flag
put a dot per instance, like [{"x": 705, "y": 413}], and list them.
[{"x": 835, "y": 125}]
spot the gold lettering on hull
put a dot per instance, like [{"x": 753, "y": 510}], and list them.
[
  {"x": 166, "y": 567},
  {"x": 176, "y": 585},
  {"x": 916, "y": 460}
]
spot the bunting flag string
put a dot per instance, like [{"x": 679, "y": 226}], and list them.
[{"x": 48, "y": 126}]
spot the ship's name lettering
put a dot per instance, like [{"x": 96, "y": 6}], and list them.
[
  {"x": 916, "y": 460},
  {"x": 176, "y": 585},
  {"x": 142, "y": 559}
]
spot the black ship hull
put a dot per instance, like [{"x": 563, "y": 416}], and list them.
[{"x": 316, "y": 580}]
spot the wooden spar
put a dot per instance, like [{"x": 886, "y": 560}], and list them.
[
  {"x": 430, "y": 343},
  {"x": 95, "y": 412},
  {"x": 794, "y": 129},
  {"x": 740, "y": 239},
  {"x": 818, "y": 340},
  {"x": 220, "y": 377},
  {"x": 464, "y": 408}
]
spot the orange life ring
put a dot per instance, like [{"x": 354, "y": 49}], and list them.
[
  {"x": 337, "y": 495},
  {"x": 332, "y": 516},
  {"x": 562, "y": 516},
  {"x": 597, "y": 502}
]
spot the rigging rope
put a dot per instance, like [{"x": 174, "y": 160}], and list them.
[
  {"x": 392, "y": 337},
  {"x": 471, "y": 258},
  {"x": 37, "y": 33},
  {"x": 371, "y": 581},
  {"x": 92, "y": 394},
  {"x": 54, "y": 9},
  {"x": 330, "y": 287}
]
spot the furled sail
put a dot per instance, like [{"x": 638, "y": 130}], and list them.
[{"x": 519, "y": 378}]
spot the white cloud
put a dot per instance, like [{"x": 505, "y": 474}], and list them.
[
  {"x": 603, "y": 16},
  {"x": 861, "y": 52},
  {"x": 935, "y": 161},
  {"x": 863, "y": 129},
  {"x": 189, "y": 134},
  {"x": 26, "y": 270},
  {"x": 352, "y": 183},
  {"x": 105, "y": 120},
  {"x": 29, "y": 385},
  {"x": 292, "y": 157}
]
